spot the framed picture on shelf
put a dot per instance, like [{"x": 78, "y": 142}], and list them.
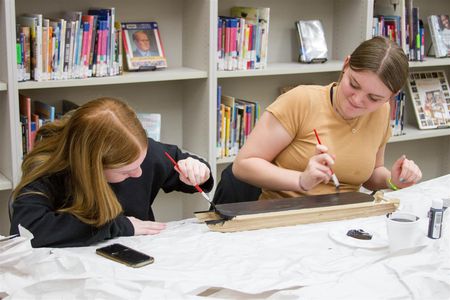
[
  {"x": 312, "y": 43},
  {"x": 429, "y": 91},
  {"x": 440, "y": 34},
  {"x": 143, "y": 47},
  {"x": 152, "y": 124}
]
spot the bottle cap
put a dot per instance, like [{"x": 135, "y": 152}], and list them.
[
  {"x": 446, "y": 202},
  {"x": 437, "y": 204}
]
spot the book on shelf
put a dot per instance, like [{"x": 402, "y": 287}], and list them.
[
  {"x": 414, "y": 32},
  {"x": 397, "y": 113},
  {"x": 25, "y": 119},
  {"x": 107, "y": 62},
  {"x": 429, "y": 91},
  {"x": 237, "y": 119},
  {"x": 77, "y": 45},
  {"x": 23, "y": 53},
  {"x": 152, "y": 124},
  {"x": 143, "y": 46},
  {"x": 388, "y": 26},
  {"x": 46, "y": 112},
  {"x": 20, "y": 65},
  {"x": 219, "y": 117},
  {"x": 440, "y": 34},
  {"x": 35, "y": 42},
  {"x": 312, "y": 43},
  {"x": 68, "y": 105},
  {"x": 243, "y": 39},
  {"x": 34, "y": 114}
]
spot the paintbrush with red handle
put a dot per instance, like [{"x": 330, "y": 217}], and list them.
[{"x": 333, "y": 175}]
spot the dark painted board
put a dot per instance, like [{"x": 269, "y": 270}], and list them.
[{"x": 231, "y": 210}]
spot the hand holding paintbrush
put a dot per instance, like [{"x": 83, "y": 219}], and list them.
[
  {"x": 318, "y": 169},
  {"x": 333, "y": 175},
  {"x": 190, "y": 180}
]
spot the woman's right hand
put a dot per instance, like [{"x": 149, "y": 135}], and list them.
[
  {"x": 318, "y": 169},
  {"x": 146, "y": 227}
]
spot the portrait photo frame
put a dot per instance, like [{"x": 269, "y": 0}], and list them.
[{"x": 143, "y": 46}]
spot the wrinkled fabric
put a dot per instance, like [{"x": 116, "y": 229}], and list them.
[{"x": 292, "y": 262}]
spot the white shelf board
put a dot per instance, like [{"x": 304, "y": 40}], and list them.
[
  {"x": 285, "y": 69},
  {"x": 127, "y": 77},
  {"x": 5, "y": 183},
  {"x": 3, "y": 86},
  {"x": 412, "y": 133},
  {"x": 430, "y": 62},
  {"x": 225, "y": 160}
]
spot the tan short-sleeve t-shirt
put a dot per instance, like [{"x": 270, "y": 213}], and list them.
[{"x": 355, "y": 143}]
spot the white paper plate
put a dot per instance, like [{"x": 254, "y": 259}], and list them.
[{"x": 339, "y": 234}]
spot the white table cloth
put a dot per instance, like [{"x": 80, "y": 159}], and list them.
[{"x": 191, "y": 262}]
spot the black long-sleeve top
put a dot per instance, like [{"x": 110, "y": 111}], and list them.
[{"x": 38, "y": 213}]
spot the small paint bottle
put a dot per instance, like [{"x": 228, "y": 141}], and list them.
[{"x": 435, "y": 215}]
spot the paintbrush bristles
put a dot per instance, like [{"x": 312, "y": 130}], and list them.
[{"x": 335, "y": 181}]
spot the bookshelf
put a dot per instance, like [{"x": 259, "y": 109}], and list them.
[
  {"x": 140, "y": 77},
  {"x": 185, "y": 93},
  {"x": 284, "y": 69},
  {"x": 412, "y": 133},
  {"x": 430, "y": 62}
]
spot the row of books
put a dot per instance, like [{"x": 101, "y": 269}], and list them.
[
  {"x": 415, "y": 32},
  {"x": 235, "y": 120},
  {"x": 397, "y": 113},
  {"x": 387, "y": 26},
  {"x": 390, "y": 26},
  {"x": 243, "y": 39},
  {"x": 34, "y": 114},
  {"x": 76, "y": 46}
]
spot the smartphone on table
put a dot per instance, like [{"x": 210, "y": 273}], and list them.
[{"x": 125, "y": 255}]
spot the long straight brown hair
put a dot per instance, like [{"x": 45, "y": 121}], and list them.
[{"x": 103, "y": 133}]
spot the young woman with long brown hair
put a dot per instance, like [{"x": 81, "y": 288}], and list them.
[{"x": 94, "y": 175}]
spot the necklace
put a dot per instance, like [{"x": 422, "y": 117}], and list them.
[{"x": 352, "y": 123}]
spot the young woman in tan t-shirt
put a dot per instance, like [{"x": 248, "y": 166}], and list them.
[{"x": 282, "y": 154}]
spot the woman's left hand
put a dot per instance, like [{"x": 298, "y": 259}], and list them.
[
  {"x": 196, "y": 171},
  {"x": 405, "y": 172}
]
